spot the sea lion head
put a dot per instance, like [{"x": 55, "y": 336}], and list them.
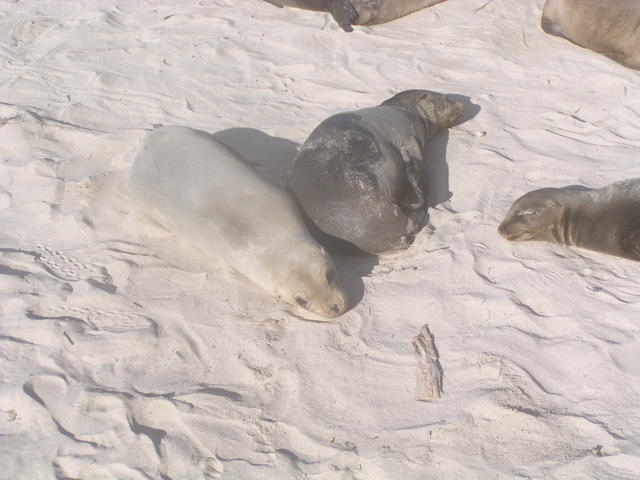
[
  {"x": 306, "y": 276},
  {"x": 534, "y": 216},
  {"x": 433, "y": 108}
]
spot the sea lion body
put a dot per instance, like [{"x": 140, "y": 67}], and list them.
[
  {"x": 610, "y": 27},
  {"x": 360, "y": 12},
  {"x": 360, "y": 175},
  {"x": 375, "y": 12},
  {"x": 197, "y": 187},
  {"x": 606, "y": 220}
]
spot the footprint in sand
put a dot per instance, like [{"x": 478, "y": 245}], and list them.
[
  {"x": 70, "y": 269},
  {"x": 181, "y": 453},
  {"x": 96, "y": 419},
  {"x": 99, "y": 424},
  {"x": 61, "y": 266},
  {"x": 83, "y": 468},
  {"x": 100, "y": 320}
]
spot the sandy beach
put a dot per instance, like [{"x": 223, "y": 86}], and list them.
[{"x": 128, "y": 354}]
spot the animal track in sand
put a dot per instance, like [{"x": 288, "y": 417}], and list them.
[
  {"x": 161, "y": 421},
  {"x": 69, "y": 268},
  {"x": 114, "y": 321},
  {"x": 90, "y": 418}
]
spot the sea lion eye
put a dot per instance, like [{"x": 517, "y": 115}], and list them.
[
  {"x": 301, "y": 301},
  {"x": 528, "y": 211},
  {"x": 536, "y": 212},
  {"x": 331, "y": 276}
]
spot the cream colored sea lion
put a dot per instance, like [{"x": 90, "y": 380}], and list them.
[
  {"x": 197, "y": 187},
  {"x": 359, "y": 12},
  {"x": 360, "y": 175},
  {"x": 611, "y": 27},
  {"x": 606, "y": 219}
]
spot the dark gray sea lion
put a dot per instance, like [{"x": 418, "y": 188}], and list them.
[
  {"x": 611, "y": 27},
  {"x": 606, "y": 220},
  {"x": 203, "y": 191},
  {"x": 360, "y": 175},
  {"x": 359, "y": 12}
]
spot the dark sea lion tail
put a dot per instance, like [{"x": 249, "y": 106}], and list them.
[
  {"x": 629, "y": 240},
  {"x": 549, "y": 27}
]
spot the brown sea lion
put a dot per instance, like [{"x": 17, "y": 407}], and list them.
[
  {"x": 359, "y": 12},
  {"x": 610, "y": 27},
  {"x": 606, "y": 220},
  {"x": 360, "y": 175}
]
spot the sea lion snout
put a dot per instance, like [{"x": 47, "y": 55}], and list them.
[
  {"x": 309, "y": 279},
  {"x": 338, "y": 308},
  {"x": 502, "y": 229},
  {"x": 446, "y": 112},
  {"x": 506, "y": 232},
  {"x": 332, "y": 305},
  {"x": 337, "y": 304}
]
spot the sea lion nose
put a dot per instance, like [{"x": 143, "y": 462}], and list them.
[{"x": 335, "y": 309}]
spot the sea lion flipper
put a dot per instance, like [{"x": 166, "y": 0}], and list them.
[
  {"x": 344, "y": 13},
  {"x": 274, "y": 3},
  {"x": 621, "y": 59},
  {"x": 411, "y": 165},
  {"x": 628, "y": 238}
]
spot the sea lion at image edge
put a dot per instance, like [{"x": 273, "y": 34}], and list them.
[
  {"x": 359, "y": 12},
  {"x": 606, "y": 220},
  {"x": 198, "y": 188},
  {"x": 360, "y": 175},
  {"x": 610, "y": 27}
]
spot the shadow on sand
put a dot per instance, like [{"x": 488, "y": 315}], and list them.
[
  {"x": 436, "y": 168},
  {"x": 270, "y": 156}
]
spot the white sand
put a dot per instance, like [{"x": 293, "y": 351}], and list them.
[{"x": 126, "y": 354}]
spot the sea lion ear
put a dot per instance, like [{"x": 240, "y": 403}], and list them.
[
  {"x": 427, "y": 108},
  {"x": 553, "y": 204}
]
